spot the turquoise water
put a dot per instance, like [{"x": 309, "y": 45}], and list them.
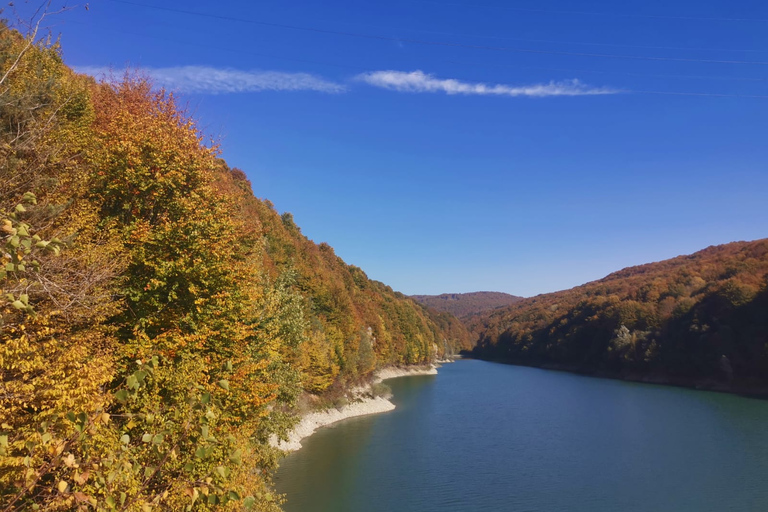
[{"x": 483, "y": 436}]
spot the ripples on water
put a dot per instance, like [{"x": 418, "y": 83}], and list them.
[{"x": 489, "y": 437}]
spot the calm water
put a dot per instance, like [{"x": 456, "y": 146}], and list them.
[{"x": 483, "y": 436}]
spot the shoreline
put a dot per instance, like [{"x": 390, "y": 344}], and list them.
[
  {"x": 364, "y": 403},
  {"x": 733, "y": 388}
]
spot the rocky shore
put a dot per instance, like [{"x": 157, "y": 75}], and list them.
[{"x": 362, "y": 403}]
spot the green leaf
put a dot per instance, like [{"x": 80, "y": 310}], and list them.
[
  {"x": 223, "y": 471},
  {"x": 236, "y": 456},
  {"x": 233, "y": 496},
  {"x": 224, "y": 384},
  {"x": 71, "y": 417},
  {"x": 121, "y": 396},
  {"x": 20, "y": 208},
  {"x": 18, "y": 304},
  {"x": 140, "y": 375},
  {"x": 10, "y": 267},
  {"x": 111, "y": 502},
  {"x": 249, "y": 502},
  {"x": 205, "y": 399},
  {"x": 157, "y": 439},
  {"x": 131, "y": 382},
  {"x": 201, "y": 453},
  {"x": 24, "y": 298},
  {"x": 146, "y": 438},
  {"x": 125, "y": 439}
]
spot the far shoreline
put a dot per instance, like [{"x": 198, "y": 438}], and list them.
[{"x": 738, "y": 389}]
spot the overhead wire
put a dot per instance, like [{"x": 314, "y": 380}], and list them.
[
  {"x": 439, "y": 43},
  {"x": 547, "y": 41},
  {"x": 603, "y": 13},
  {"x": 613, "y": 72},
  {"x": 359, "y": 69}
]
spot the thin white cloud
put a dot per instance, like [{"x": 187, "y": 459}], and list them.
[
  {"x": 418, "y": 81},
  {"x": 209, "y": 80}
]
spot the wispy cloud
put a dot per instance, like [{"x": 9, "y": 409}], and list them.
[
  {"x": 210, "y": 80},
  {"x": 418, "y": 81}
]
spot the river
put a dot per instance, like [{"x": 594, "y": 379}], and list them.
[{"x": 482, "y": 436}]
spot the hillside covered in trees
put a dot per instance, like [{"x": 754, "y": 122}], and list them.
[
  {"x": 158, "y": 321},
  {"x": 462, "y": 305},
  {"x": 692, "y": 320}
]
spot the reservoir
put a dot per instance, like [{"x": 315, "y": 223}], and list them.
[{"x": 490, "y": 437}]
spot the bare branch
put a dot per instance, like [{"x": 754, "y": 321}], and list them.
[{"x": 41, "y": 13}]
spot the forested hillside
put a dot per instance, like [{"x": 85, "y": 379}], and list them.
[
  {"x": 695, "y": 320},
  {"x": 463, "y": 305},
  {"x": 159, "y": 321}
]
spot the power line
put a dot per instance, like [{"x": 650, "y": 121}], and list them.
[
  {"x": 548, "y": 41},
  {"x": 618, "y": 45},
  {"x": 438, "y": 43},
  {"x": 703, "y": 94},
  {"x": 359, "y": 69},
  {"x": 608, "y": 72},
  {"x": 609, "y": 14},
  {"x": 239, "y": 50}
]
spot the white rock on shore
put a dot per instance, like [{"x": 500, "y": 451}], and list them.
[
  {"x": 362, "y": 405},
  {"x": 393, "y": 372}
]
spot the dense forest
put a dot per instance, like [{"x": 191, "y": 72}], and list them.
[
  {"x": 463, "y": 305},
  {"x": 159, "y": 322},
  {"x": 693, "y": 320}
]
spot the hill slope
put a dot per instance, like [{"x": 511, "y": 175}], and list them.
[
  {"x": 466, "y": 304},
  {"x": 157, "y": 321},
  {"x": 700, "y": 319}
]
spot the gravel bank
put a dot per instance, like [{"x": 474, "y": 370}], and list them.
[{"x": 363, "y": 403}]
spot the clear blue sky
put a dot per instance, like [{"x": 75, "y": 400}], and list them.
[{"x": 444, "y": 146}]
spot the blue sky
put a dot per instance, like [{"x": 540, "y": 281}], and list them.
[{"x": 457, "y": 146}]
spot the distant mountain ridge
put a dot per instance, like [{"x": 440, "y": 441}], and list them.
[{"x": 462, "y": 305}]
